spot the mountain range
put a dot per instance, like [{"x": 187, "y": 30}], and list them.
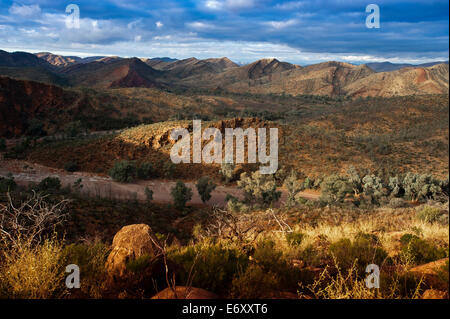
[{"x": 262, "y": 76}]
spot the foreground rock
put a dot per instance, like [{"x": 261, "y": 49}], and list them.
[
  {"x": 431, "y": 274},
  {"x": 182, "y": 292},
  {"x": 434, "y": 294},
  {"x": 129, "y": 243}
]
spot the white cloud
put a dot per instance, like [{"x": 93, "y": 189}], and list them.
[
  {"x": 281, "y": 24},
  {"x": 289, "y": 5},
  {"x": 24, "y": 10},
  {"x": 159, "y": 24},
  {"x": 229, "y": 4},
  {"x": 199, "y": 25}
]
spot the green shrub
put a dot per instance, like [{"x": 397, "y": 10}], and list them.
[
  {"x": 145, "y": 170},
  {"x": 293, "y": 187},
  {"x": 267, "y": 255},
  {"x": 227, "y": 171},
  {"x": 271, "y": 260},
  {"x": 204, "y": 187},
  {"x": 363, "y": 250},
  {"x": 49, "y": 184},
  {"x": 431, "y": 214},
  {"x": 334, "y": 189},
  {"x": 7, "y": 184},
  {"x": 213, "y": 266},
  {"x": 2, "y": 144},
  {"x": 148, "y": 194},
  {"x": 295, "y": 238},
  {"x": 397, "y": 202},
  {"x": 254, "y": 283},
  {"x": 124, "y": 171},
  {"x": 168, "y": 169},
  {"x": 73, "y": 129},
  {"x": 419, "y": 250},
  {"x": 71, "y": 166},
  {"x": 139, "y": 265},
  {"x": 181, "y": 195},
  {"x": 35, "y": 128},
  {"x": 90, "y": 258},
  {"x": 259, "y": 188}
]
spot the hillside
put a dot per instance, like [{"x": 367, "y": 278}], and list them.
[
  {"x": 22, "y": 65},
  {"x": 58, "y": 60},
  {"x": 388, "y": 66},
  {"x": 387, "y": 135},
  {"x": 112, "y": 73},
  {"x": 260, "y": 77},
  {"x": 22, "y": 101},
  {"x": 240, "y": 75},
  {"x": 407, "y": 81}
]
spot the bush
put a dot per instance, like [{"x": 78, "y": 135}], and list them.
[
  {"x": 213, "y": 266},
  {"x": 33, "y": 272},
  {"x": 35, "y": 128},
  {"x": 295, "y": 238},
  {"x": 204, "y": 187},
  {"x": 181, "y": 195},
  {"x": 419, "y": 250},
  {"x": 7, "y": 184},
  {"x": 363, "y": 250},
  {"x": 148, "y": 194},
  {"x": 145, "y": 170},
  {"x": 421, "y": 187},
  {"x": 124, "y": 171},
  {"x": 259, "y": 188},
  {"x": 71, "y": 166},
  {"x": 168, "y": 169},
  {"x": 73, "y": 129},
  {"x": 49, "y": 184},
  {"x": 91, "y": 259},
  {"x": 254, "y": 283},
  {"x": 396, "y": 202},
  {"x": 293, "y": 187},
  {"x": 2, "y": 144},
  {"x": 227, "y": 171},
  {"x": 334, "y": 189},
  {"x": 430, "y": 214}
]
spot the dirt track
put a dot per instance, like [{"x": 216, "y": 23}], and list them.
[{"x": 103, "y": 186}]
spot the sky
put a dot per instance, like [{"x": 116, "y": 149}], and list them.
[{"x": 301, "y": 32}]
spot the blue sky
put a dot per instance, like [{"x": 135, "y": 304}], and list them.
[{"x": 300, "y": 32}]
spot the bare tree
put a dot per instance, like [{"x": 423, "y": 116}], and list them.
[
  {"x": 30, "y": 220},
  {"x": 240, "y": 227}
]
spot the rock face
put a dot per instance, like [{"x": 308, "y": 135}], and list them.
[
  {"x": 130, "y": 242},
  {"x": 185, "y": 293}
]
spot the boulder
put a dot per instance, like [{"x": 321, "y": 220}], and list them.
[
  {"x": 434, "y": 294},
  {"x": 430, "y": 273},
  {"x": 183, "y": 292},
  {"x": 129, "y": 243}
]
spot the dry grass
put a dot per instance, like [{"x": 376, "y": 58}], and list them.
[{"x": 33, "y": 272}]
